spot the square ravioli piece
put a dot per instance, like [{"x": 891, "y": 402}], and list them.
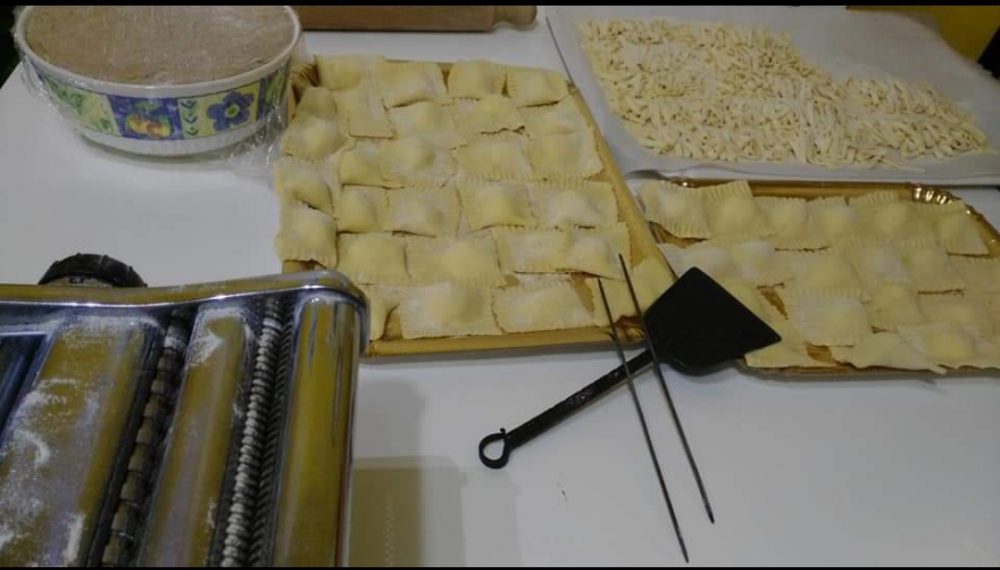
[
  {"x": 532, "y": 86},
  {"x": 562, "y": 118},
  {"x": 820, "y": 270},
  {"x": 571, "y": 155},
  {"x": 790, "y": 351},
  {"x": 427, "y": 120},
  {"x": 305, "y": 234},
  {"x": 468, "y": 260},
  {"x": 969, "y": 311},
  {"x": 342, "y": 72},
  {"x": 361, "y": 109},
  {"x": 833, "y": 219},
  {"x": 311, "y": 138},
  {"x": 757, "y": 261},
  {"x": 489, "y": 203},
  {"x": 491, "y": 114},
  {"x": 448, "y": 309},
  {"x": 827, "y": 318},
  {"x": 426, "y": 212},
  {"x": 731, "y": 211},
  {"x": 579, "y": 203},
  {"x": 378, "y": 258},
  {"x": 475, "y": 79},
  {"x": 714, "y": 260},
  {"x": 677, "y": 209},
  {"x": 540, "y": 307},
  {"x": 415, "y": 161},
  {"x": 650, "y": 279},
  {"x": 362, "y": 166},
  {"x": 496, "y": 157},
  {"x": 318, "y": 102},
  {"x": 789, "y": 217},
  {"x": 530, "y": 251},
  {"x": 954, "y": 228},
  {"x": 891, "y": 220},
  {"x": 596, "y": 251},
  {"x": 977, "y": 273},
  {"x": 952, "y": 345},
  {"x": 884, "y": 349},
  {"x": 302, "y": 180},
  {"x": 382, "y": 300},
  {"x": 930, "y": 268},
  {"x": 410, "y": 81},
  {"x": 892, "y": 306},
  {"x": 360, "y": 209},
  {"x": 876, "y": 265}
]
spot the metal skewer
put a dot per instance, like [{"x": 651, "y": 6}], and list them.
[
  {"x": 642, "y": 421},
  {"x": 666, "y": 393}
]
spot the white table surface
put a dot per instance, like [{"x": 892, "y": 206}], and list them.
[{"x": 876, "y": 472}]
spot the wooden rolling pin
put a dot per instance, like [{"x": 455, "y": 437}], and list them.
[{"x": 414, "y": 18}]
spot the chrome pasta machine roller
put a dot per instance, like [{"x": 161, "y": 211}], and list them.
[{"x": 200, "y": 425}]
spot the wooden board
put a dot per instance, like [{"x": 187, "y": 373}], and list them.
[
  {"x": 414, "y": 18},
  {"x": 642, "y": 245},
  {"x": 809, "y": 191}
]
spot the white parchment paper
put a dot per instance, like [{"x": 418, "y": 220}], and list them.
[{"x": 846, "y": 43}]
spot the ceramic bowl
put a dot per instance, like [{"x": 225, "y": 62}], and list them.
[{"x": 163, "y": 120}]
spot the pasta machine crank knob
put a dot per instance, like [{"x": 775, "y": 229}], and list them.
[{"x": 91, "y": 270}]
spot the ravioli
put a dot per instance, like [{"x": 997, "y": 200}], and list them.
[
  {"x": 491, "y": 203},
  {"x": 427, "y": 120},
  {"x": 409, "y": 82},
  {"x": 679, "y": 210},
  {"x": 540, "y": 307},
  {"x": 415, "y": 161},
  {"x": 305, "y": 234},
  {"x": 531, "y": 86},
  {"x": 572, "y": 155},
  {"x": 574, "y": 204},
  {"x": 311, "y": 138},
  {"x": 448, "y": 309},
  {"x": 468, "y": 260},
  {"x": 476, "y": 79},
  {"x": 495, "y": 157},
  {"x": 302, "y": 180},
  {"x": 373, "y": 258},
  {"x": 432, "y": 212}
]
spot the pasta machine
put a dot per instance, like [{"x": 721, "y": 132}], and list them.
[{"x": 199, "y": 425}]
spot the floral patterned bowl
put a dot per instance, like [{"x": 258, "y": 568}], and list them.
[{"x": 163, "y": 120}]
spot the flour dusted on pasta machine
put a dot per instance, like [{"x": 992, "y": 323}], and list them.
[{"x": 201, "y": 425}]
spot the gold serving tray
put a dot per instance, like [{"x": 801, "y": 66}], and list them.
[
  {"x": 808, "y": 190},
  {"x": 643, "y": 245}
]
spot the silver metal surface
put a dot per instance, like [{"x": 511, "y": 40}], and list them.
[{"x": 149, "y": 425}]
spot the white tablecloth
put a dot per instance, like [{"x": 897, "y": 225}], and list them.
[{"x": 876, "y": 472}]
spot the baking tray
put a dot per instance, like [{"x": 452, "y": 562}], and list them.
[
  {"x": 642, "y": 245},
  {"x": 789, "y": 189},
  {"x": 845, "y": 42}
]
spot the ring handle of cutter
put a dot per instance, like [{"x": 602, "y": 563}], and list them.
[{"x": 505, "y": 450}]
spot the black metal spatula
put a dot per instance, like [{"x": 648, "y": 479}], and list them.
[{"x": 694, "y": 326}]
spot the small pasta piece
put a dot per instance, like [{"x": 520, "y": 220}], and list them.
[
  {"x": 827, "y": 318},
  {"x": 540, "y": 307},
  {"x": 361, "y": 166},
  {"x": 491, "y": 114},
  {"x": 790, "y": 351},
  {"x": 532, "y": 86},
  {"x": 415, "y": 161},
  {"x": 562, "y": 118},
  {"x": 565, "y": 155},
  {"x": 311, "y": 138},
  {"x": 409, "y": 82},
  {"x": 877, "y": 265},
  {"x": 360, "y": 209},
  {"x": 731, "y": 211},
  {"x": 342, "y": 72},
  {"x": 302, "y": 180},
  {"x": 892, "y": 306},
  {"x": 758, "y": 262},
  {"x": 965, "y": 311},
  {"x": 530, "y": 251},
  {"x": 305, "y": 234},
  {"x": 496, "y": 157},
  {"x": 491, "y": 203},
  {"x": 951, "y": 345},
  {"x": 715, "y": 261},
  {"x": 789, "y": 217},
  {"x": 361, "y": 108},
  {"x": 447, "y": 309},
  {"x": 467, "y": 260},
  {"x": 978, "y": 274},
  {"x": 318, "y": 102},
  {"x": 373, "y": 258},
  {"x": 476, "y": 79},
  {"x": 833, "y": 219},
  {"x": 678, "y": 209},
  {"x": 884, "y": 349},
  {"x": 382, "y": 301},
  {"x": 432, "y": 213},
  {"x": 930, "y": 269},
  {"x": 427, "y": 120},
  {"x": 820, "y": 270},
  {"x": 954, "y": 228},
  {"x": 596, "y": 251},
  {"x": 574, "y": 204}
]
